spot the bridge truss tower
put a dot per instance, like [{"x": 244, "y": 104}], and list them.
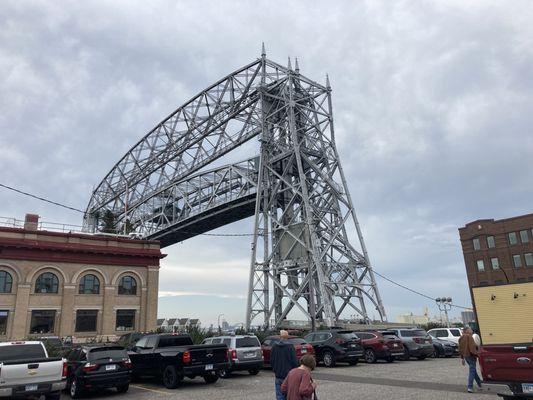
[
  {"x": 308, "y": 257},
  {"x": 302, "y": 257}
]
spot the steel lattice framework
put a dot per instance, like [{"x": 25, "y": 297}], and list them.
[{"x": 302, "y": 258}]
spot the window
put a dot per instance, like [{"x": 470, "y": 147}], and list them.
[
  {"x": 512, "y": 238},
  {"x": 89, "y": 284},
  {"x": 125, "y": 320},
  {"x": 25, "y": 351},
  {"x": 490, "y": 242},
  {"x": 529, "y": 259},
  {"x": 3, "y": 322},
  {"x": 127, "y": 285},
  {"x": 480, "y": 265},
  {"x": 442, "y": 333},
  {"x": 495, "y": 263},
  {"x": 42, "y": 321},
  {"x": 47, "y": 283},
  {"x": 248, "y": 341},
  {"x": 517, "y": 260},
  {"x": 455, "y": 332},
  {"x": 524, "y": 237},
  {"x": 86, "y": 320},
  {"x": 6, "y": 282},
  {"x": 476, "y": 244}
]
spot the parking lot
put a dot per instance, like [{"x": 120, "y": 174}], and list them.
[{"x": 428, "y": 379}]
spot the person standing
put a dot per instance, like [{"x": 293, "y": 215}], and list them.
[
  {"x": 469, "y": 351},
  {"x": 282, "y": 359},
  {"x": 299, "y": 385}
]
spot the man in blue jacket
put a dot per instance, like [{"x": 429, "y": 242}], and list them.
[{"x": 282, "y": 359}]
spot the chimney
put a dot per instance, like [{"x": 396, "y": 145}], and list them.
[{"x": 31, "y": 222}]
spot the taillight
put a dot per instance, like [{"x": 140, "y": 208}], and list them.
[
  {"x": 232, "y": 354},
  {"x": 310, "y": 349},
  {"x": 128, "y": 364},
  {"x": 88, "y": 367},
  {"x": 340, "y": 341},
  {"x": 186, "y": 357},
  {"x": 65, "y": 370}
]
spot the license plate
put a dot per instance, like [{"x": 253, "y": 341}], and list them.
[
  {"x": 30, "y": 388},
  {"x": 209, "y": 367},
  {"x": 111, "y": 367},
  {"x": 395, "y": 345},
  {"x": 304, "y": 351},
  {"x": 527, "y": 387}
]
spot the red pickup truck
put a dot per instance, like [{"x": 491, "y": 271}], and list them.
[{"x": 506, "y": 329}]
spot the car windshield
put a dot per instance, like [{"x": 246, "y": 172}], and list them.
[
  {"x": 21, "y": 351},
  {"x": 113, "y": 353},
  {"x": 389, "y": 335},
  {"x": 248, "y": 341},
  {"x": 347, "y": 335},
  {"x": 297, "y": 340},
  {"x": 413, "y": 333}
]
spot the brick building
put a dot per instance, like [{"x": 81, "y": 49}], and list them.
[
  {"x": 498, "y": 252},
  {"x": 75, "y": 284}
]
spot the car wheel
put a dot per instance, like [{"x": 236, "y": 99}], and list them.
[
  {"x": 328, "y": 359},
  {"x": 406, "y": 355},
  {"x": 123, "y": 388},
  {"x": 390, "y": 359},
  {"x": 253, "y": 371},
  {"x": 75, "y": 390},
  {"x": 224, "y": 373},
  {"x": 210, "y": 378},
  {"x": 353, "y": 362},
  {"x": 171, "y": 378},
  {"x": 53, "y": 396},
  {"x": 370, "y": 356}
]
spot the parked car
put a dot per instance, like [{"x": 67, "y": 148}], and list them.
[
  {"x": 450, "y": 334},
  {"x": 332, "y": 346},
  {"x": 173, "y": 357},
  {"x": 380, "y": 345},
  {"x": 416, "y": 342},
  {"x": 129, "y": 339},
  {"x": 27, "y": 371},
  {"x": 96, "y": 367},
  {"x": 444, "y": 348},
  {"x": 244, "y": 353},
  {"x": 300, "y": 345}
]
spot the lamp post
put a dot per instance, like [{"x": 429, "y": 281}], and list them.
[
  {"x": 444, "y": 304},
  {"x": 218, "y": 319}
]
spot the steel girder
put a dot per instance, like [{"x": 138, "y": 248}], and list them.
[{"x": 302, "y": 258}]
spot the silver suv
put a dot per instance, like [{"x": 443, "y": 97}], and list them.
[
  {"x": 244, "y": 353},
  {"x": 416, "y": 342}
]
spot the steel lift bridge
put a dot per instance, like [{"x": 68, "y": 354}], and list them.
[{"x": 302, "y": 260}]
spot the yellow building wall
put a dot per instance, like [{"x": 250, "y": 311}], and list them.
[{"x": 505, "y": 313}]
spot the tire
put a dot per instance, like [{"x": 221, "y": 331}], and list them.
[
  {"x": 390, "y": 359},
  {"x": 171, "y": 378},
  {"x": 328, "y": 359},
  {"x": 406, "y": 355},
  {"x": 75, "y": 391},
  {"x": 53, "y": 396},
  {"x": 253, "y": 372},
  {"x": 210, "y": 378},
  {"x": 370, "y": 356},
  {"x": 123, "y": 388},
  {"x": 224, "y": 374},
  {"x": 353, "y": 362}
]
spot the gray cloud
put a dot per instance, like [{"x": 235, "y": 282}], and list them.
[{"x": 432, "y": 104}]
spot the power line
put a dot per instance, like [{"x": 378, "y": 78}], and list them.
[
  {"x": 42, "y": 199},
  {"x": 415, "y": 291}
]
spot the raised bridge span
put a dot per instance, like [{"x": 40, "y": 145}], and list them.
[{"x": 308, "y": 253}]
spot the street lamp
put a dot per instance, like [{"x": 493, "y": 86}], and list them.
[
  {"x": 218, "y": 319},
  {"x": 444, "y": 304}
]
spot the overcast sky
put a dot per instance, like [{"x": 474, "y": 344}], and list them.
[{"x": 432, "y": 101}]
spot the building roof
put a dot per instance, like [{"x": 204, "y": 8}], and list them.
[
  {"x": 160, "y": 321},
  {"x": 183, "y": 321},
  {"x": 172, "y": 321}
]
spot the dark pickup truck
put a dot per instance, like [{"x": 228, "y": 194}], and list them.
[{"x": 173, "y": 357}]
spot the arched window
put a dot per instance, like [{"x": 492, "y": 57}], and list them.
[
  {"x": 127, "y": 285},
  {"x": 89, "y": 284},
  {"x": 6, "y": 282},
  {"x": 47, "y": 283}
]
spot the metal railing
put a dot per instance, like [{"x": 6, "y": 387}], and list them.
[{"x": 8, "y": 222}]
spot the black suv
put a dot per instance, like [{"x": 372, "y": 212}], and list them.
[
  {"x": 96, "y": 367},
  {"x": 332, "y": 346}
]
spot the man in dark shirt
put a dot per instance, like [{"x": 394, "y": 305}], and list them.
[{"x": 282, "y": 359}]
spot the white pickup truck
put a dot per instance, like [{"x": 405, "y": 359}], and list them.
[{"x": 26, "y": 371}]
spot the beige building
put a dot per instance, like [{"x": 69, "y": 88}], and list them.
[{"x": 71, "y": 284}]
